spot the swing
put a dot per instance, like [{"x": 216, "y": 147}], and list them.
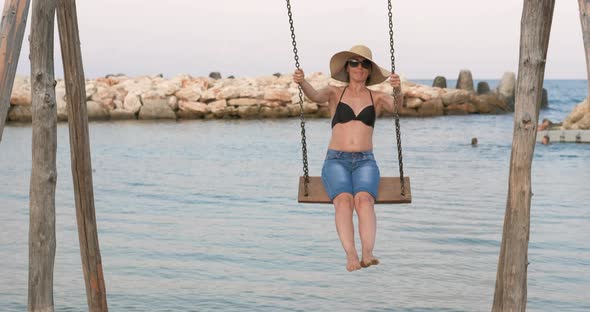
[{"x": 392, "y": 190}]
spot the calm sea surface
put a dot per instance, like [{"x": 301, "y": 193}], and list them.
[{"x": 202, "y": 216}]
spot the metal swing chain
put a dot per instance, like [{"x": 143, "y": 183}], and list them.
[
  {"x": 395, "y": 111},
  {"x": 303, "y": 139}
]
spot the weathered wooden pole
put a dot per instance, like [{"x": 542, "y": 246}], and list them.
[
  {"x": 12, "y": 30},
  {"x": 585, "y": 21},
  {"x": 43, "y": 170},
  {"x": 80, "y": 155},
  {"x": 511, "y": 278}
]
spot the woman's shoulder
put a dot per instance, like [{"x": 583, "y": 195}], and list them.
[{"x": 335, "y": 90}]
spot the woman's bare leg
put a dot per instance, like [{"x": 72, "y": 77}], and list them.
[
  {"x": 343, "y": 204},
  {"x": 365, "y": 209}
]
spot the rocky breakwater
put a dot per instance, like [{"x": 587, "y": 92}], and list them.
[
  {"x": 579, "y": 118},
  {"x": 187, "y": 97}
]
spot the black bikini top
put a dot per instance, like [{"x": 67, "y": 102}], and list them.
[{"x": 344, "y": 113}]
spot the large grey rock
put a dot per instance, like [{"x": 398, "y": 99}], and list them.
[
  {"x": 430, "y": 108},
  {"x": 277, "y": 112},
  {"x": 60, "y": 99},
  {"x": 579, "y": 117},
  {"x": 460, "y": 109},
  {"x": 323, "y": 112},
  {"x": 248, "y": 112},
  {"x": 583, "y": 124},
  {"x": 191, "y": 93},
  {"x": 465, "y": 80},
  {"x": 132, "y": 103},
  {"x": 172, "y": 102},
  {"x": 250, "y": 91},
  {"x": 97, "y": 111},
  {"x": 220, "y": 93},
  {"x": 490, "y": 103},
  {"x": 507, "y": 84},
  {"x": 104, "y": 95},
  {"x": 21, "y": 92},
  {"x": 413, "y": 102},
  {"x": 215, "y": 75},
  {"x": 483, "y": 87},
  {"x": 243, "y": 102},
  {"x": 507, "y": 89},
  {"x": 422, "y": 92},
  {"x": 544, "y": 99},
  {"x": 277, "y": 94},
  {"x": 169, "y": 87},
  {"x": 20, "y": 113},
  {"x": 456, "y": 97},
  {"x": 91, "y": 89},
  {"x": 294, "y": 110},
  {"x": 310, "y": 107},
  {"x": 121, "y": 114},
  {"x": 191, "y": 110},
  {"x": 156, "y": 108},
  {"x": 440, "y": 82},
  {"x": 219, "y": 108}
]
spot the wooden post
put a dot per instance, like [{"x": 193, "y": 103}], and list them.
[
  {"x": 585, "y": 21},
  {"x": 12, "y": 30},
  {"x": 511, "y": 278},
  {"x": 80, "y": 154},
  {"x": 43, "y": 170}
]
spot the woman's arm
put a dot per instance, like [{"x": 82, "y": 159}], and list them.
[
  {"x": 387, "y": 100},
  {"x": 318, "y": 96}
]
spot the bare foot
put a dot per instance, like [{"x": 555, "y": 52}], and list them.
[
  {"x": 352, "y": 263},
  {"x": 369, "y": 261}
]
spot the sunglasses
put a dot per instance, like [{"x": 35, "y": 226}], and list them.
[{"x": 355, "y": 63}]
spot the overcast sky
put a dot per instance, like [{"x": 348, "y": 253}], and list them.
[{"x": 252, "y": 38}]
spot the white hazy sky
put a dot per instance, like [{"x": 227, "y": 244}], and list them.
[{"x": 252, "y": 38}]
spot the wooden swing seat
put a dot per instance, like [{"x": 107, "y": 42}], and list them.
[{"x": 389, "y": 191}]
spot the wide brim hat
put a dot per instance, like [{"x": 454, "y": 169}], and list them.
[{"x": 338, "y": 65}]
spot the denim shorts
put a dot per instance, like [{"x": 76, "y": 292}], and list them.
[{"x": 350, "y": 172}]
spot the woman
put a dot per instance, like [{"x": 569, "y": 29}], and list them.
[{"x": 350, "y": 173}]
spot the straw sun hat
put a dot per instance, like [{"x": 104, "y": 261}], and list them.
[{"x": 338, "y": 65}]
